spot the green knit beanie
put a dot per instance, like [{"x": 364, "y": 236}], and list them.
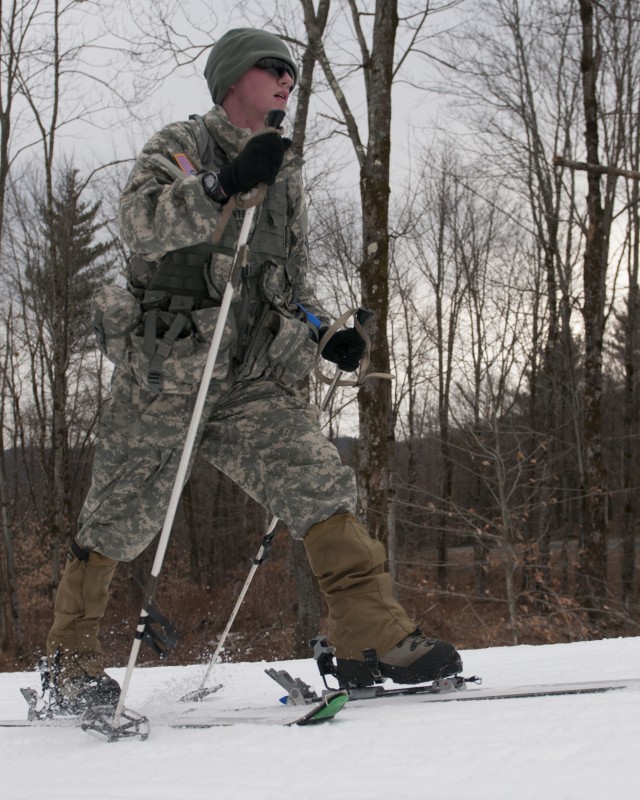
[{"x": 236, "y": 52}]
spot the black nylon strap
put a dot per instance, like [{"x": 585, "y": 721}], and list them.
[
  {"x": 79, "y": 552},
  {"x": 162, "y": 638}
]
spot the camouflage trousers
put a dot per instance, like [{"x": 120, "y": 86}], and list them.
[{"x": 263, "y": 438}]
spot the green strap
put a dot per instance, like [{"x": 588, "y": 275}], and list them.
[{"x": 159, "y": 352}]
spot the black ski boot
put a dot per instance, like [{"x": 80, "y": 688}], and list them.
[
  {"x": 79, "y": 695},
  {"x": 415, "y": 659}
]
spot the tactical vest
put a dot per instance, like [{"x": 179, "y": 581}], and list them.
[
  {"x": 175, "y": 286},
  {"x": 269, "y": 240},
  {"x": 179, "y": 273}
]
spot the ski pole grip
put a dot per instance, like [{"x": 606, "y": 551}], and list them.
[{"x": 275, "y": 118}]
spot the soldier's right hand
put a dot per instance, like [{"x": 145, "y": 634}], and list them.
[{"x": 258, "y": 162}]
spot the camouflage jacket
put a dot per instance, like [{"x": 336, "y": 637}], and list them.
[{"x": 160, "y": 212}]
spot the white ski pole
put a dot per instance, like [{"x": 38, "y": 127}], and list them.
[
  {"x": 273, "y": 120},
  {"x": 184, "y": 463}
]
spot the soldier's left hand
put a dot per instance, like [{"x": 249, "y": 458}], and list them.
[{"x": 344, "y": 349}]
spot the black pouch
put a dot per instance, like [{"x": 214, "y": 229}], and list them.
[
  {"x": 115, "y": 314},
  {"x": 280, "y": 349}
]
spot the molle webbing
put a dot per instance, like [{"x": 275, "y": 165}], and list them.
[
  {"x": 178, "y": 284},
  {"x": 179, "y": 274}
]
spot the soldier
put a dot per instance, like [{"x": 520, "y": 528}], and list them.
[{"x": 257, "y": 426}]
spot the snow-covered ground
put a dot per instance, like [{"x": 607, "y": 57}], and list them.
[{"x": 560, "y": 748}]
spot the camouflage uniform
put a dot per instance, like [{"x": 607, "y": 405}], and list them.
[{"x": 257, "y": 426}]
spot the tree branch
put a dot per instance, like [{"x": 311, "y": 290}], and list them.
[{"x": 599, "y": 169}]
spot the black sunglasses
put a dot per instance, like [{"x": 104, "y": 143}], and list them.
[{"x": 276, "y": 67}]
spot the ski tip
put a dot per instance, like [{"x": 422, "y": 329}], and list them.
[{"x": 331, "y": 705}]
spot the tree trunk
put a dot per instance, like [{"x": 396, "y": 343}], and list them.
[
  {"x": 374, "y": 398},
  {"x": 593, "y": 550},
  {"x": 630, "y": 413},
  {"x": 309, "y": 602},
  {"x": 10, "y": 625}
]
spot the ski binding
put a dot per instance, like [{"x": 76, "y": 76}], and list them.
[
  {"x": 97, "y": 720},
  {"x": 300, "y": 693}
]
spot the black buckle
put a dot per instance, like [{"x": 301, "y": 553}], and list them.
[
  {"x": 371, "y": 660},
  {"x": 265, "y": 546},
  {"x": 349, "y": 674},
  {"x": 154, "y": 379},
  {"x": 324, "y": 656}
]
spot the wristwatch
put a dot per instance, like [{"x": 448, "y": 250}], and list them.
[{"x": 212, "y": 187}]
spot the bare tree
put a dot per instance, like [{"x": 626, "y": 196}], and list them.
[
  {"x": 58, "y": 262},
  {"x": 593, "y": 552},
  {"x": 11, "y": 628},
  {"x": 440, "y": 255},
  {"x": 631, "y": 470},
  {"x": 378, "y": 61},
  {"x": 374, "y": 161},
  {"x": 533, "y": 66}
]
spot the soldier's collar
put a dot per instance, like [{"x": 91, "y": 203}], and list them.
[{"x": 228, "y": 136}]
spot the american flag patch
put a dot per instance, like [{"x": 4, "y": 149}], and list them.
[{"x": 185, "y": 165}]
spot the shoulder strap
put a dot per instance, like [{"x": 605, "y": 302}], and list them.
[{"x": 204, "y": 137}]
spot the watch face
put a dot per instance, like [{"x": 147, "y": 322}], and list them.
[{"x": 210, "y": 182}]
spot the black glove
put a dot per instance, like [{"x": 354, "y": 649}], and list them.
[
  {"x": 258, "y": 162},
  {"x": 345, "y": 349}
]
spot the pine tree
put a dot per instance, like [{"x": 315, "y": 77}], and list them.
[{"x": 67, "y": 256}]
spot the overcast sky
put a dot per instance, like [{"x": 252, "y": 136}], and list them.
[{"x": 183, "y": 91}]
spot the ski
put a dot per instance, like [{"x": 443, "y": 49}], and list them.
[
  {"x": 435, "y": 693},
  {"x": 97, "y": 721},
  {"x": 530, "y": 690},
  {"x": 132, "y": 724},
  {"x": 322, "y": 710},
  {"x": 446, "y": 690},
  {"x": 441, "y": 690}
]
